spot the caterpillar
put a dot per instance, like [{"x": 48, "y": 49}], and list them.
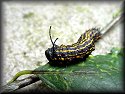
[{"x": 69, "y": 54}]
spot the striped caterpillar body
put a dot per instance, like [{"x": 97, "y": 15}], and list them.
[{"x": 69, "y": 54}]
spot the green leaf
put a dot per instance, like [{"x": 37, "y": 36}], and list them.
[{"x": 97, "y": 73}]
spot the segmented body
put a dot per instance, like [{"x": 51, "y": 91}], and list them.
[{"x": 66, "y": 54}]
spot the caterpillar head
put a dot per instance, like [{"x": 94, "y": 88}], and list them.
[{"x": 50, "y": 52}]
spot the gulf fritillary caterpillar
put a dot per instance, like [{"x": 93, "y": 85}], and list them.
[{"x": 69, "y": 54}]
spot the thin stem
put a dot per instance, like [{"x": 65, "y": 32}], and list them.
[
  {"x": 20, "y": 74},
  {"x": 111, "y": 24}
]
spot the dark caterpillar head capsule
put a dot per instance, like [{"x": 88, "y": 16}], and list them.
[{"x": 49, "y": 53}]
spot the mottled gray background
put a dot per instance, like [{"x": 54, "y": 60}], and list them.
[{"x": 26, "y": 25}]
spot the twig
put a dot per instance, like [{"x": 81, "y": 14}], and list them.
[
  {"x": 111, "y": 24},
  {"x": 19, "y": 84}
]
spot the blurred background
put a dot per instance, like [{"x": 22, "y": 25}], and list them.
[{"x": 26, "y": 30}]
